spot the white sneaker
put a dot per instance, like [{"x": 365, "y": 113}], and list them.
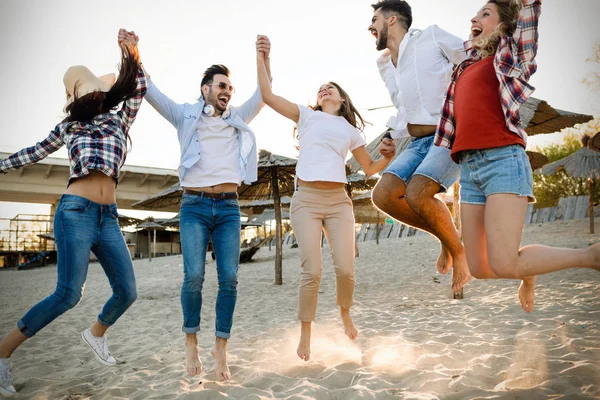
[
  {"x": 98, "y": 344},
  {"x": 6, "y": 384}
]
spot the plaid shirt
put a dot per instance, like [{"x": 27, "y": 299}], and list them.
[
  {"x": 514, "y": 64},
  {"x": 99, "y": 144}
]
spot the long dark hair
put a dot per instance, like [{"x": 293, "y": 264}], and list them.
[{"x": 85, "y": 108}]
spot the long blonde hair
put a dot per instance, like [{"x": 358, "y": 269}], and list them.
[{"x": 508, "y": 11}]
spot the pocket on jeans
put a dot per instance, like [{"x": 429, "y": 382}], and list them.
[
  {"x": 498, "y": 153},
  {"x": 73, "y": 206},
  {"x": 232, "y": 202},
  {"x": 188, "y": 200}
]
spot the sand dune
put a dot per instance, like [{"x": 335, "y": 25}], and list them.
[{"x": 415, "y": 341}]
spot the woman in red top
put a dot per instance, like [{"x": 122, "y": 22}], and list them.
[
  {"x": 480, "y": 122},
  {"x": 86, "y": 217}
]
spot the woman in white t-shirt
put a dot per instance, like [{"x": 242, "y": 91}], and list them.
[{"x": 327, "y": 132}]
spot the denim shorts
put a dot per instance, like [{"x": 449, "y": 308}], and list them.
[
  {"x": 422, "y": 157},
  {"x": 497, "y": 170}
]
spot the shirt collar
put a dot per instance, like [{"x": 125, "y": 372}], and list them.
[{"x": 404, "y": 43}]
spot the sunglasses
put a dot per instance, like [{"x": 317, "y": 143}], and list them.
[{"x": 223, "y": 86}]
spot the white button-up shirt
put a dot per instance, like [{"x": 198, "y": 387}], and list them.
[{"x": 418, "y": 83}]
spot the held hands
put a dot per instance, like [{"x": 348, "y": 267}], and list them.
[
  {"x": 387, "y": 148},
  {"x": 129, "y": 37},
  {"x": 263, "y": 47}
]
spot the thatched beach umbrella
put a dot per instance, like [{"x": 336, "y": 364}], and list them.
[
  {"x": 150, "y": 224},
  {"x": 538, "y": 117},
  {"x": 537, "y": 160},
  {"x": 594, "y": 142},
  {"x": 584, "y": 163},
  {"x": 165, "y": 200},
  {"x": 275, "y": 179}
]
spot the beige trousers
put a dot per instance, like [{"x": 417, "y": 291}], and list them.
[{"x": 329, "y": 210}]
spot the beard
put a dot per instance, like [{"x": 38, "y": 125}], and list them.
[
  {"x": 214, "y": 101},
  {"x": 382, "y": 38}
]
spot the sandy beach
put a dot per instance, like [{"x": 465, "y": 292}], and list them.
[{"x": 415, "y": 341}]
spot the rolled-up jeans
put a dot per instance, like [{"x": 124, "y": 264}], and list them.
[
  {"x": 81, "y": 226},
  {"x": 203, "y": 218}
]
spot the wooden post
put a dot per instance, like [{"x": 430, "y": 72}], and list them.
[
  {"x": 149, "y": 246},
  {"x": 591, "y": 186},
  {"x": 278, "y": 236},
  {"x": 377, "y": 229},
  {"x": 154, "y": 245},
  {"x": 456, "y": 211}
]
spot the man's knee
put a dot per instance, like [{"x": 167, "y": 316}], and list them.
[
  {"x": 388, "y": 188},
  {"x": 420, "y": 190}
]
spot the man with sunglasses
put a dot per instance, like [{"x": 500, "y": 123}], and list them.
[
  {"x": 416, "y": 66},
  {"x": 218, "y": 153}
]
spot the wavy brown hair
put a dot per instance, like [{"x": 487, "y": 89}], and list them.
[
  {"x": 85, "y": 108},
  {"x": 508, "y": 11}
]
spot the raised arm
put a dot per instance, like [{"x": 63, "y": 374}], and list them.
[
  {"x": 277, "y": 103},
  {"x": 132, "y": 105},
  {"x": 166, "y": 107},
  {"x": 526, "y": 35},
  {"x": 452, "y": 47},
  {"x": 387, "y": 149},
  {"x": 33, "y": 154}
]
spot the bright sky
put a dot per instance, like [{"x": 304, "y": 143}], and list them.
[{"x": 313, "y": 41}]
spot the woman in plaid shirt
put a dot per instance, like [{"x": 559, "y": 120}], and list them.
[
  {"x": 86, "y": 216},
  {"x": 480, "y": 123}
]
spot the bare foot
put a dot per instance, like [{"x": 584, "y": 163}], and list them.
[
  {"x": 349, "y": 328},
  {"x": 193, "y": 365},
  {"x": 444, "y": 261},
  {"x": 460, "y": 273},
  {"x": 219, "y": 352},
  {"x": 526, "y": 293},
  {"x": 304, "y": 345}
]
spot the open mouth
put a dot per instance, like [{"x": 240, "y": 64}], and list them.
[
  {"x": 223, "y": 99},
  {"x": 475, "y": 32},
  {"x": 374, "y": 33}
]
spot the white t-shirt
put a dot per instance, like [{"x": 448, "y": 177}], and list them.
[
  {"x": 325, "y": 141},
  {"x": 220, "y": 154},
  {"x": 419, "y": 82}
]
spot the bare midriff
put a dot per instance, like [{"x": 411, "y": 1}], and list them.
[
  {"x": 420, "y": 130},
  {"x": 321, "y": 184},
  {"x": 220, "y": 188},
  {"x": 94, "y": 186}
]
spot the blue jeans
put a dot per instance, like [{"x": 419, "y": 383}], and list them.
[
  {"x": 202, "y": 218},
  {"x": 503, "y": 169},
  {"x": 80, "y": 225},
  {"x": 422, "y": 157}
]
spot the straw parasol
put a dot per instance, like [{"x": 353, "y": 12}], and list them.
[
  {"x": 275, "y": 179},
  {"x": 149, "y": 224},
  {"x": 165, "y": 200},
  {"x": 594, "y": 142},
  {"x": 584, "y": 163},
  {"x": 537, "y": 160},
  {"x": 537, "y": 117}
]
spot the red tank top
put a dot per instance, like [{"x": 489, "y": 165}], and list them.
[{"x": 480, "y": 121}]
